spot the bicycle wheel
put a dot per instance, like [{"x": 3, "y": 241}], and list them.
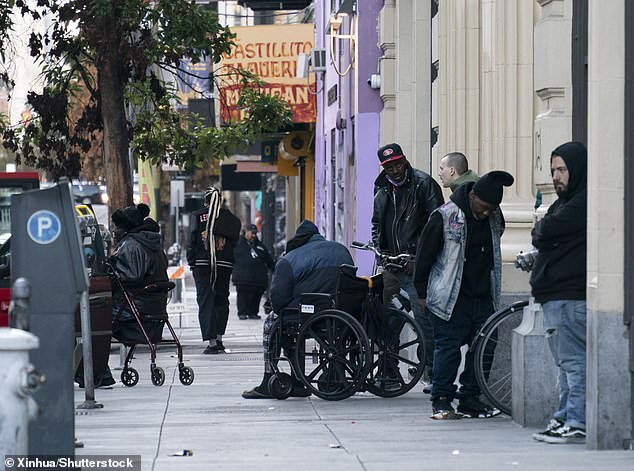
[
  {"x": 332, "y": 355},
  {"x": 399, "y": 356},
  {"x": 492, "y": 356}
]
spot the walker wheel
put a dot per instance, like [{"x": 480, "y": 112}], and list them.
[
  {"x": 129, "y": 377},
  {"x": 158, "y": 376},
  {"x": 186, "y": 375},
  {"x": 280, "y": 385}
]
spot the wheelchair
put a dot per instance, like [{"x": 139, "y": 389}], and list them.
[
  {"x": 146, "y": 329},
  {"x": 352, "y": 343}
]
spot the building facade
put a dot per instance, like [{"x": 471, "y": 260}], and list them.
[
  {"x": 347, "y": 134},
  {"x": 505, "y": 83}
]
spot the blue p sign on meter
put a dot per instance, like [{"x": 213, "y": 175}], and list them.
[{"x": 43, "y": 227}]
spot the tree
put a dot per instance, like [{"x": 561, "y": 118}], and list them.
[{"x": 123, "y": 53}]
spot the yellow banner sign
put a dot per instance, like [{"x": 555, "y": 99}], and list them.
[{"x": 270, "y": 52}]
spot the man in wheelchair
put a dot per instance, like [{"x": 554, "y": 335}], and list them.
[
  {"x": 309, "y": 265},
  {"x": 139, "y": 260}
]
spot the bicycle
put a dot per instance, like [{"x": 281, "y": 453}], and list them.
[
  {"x": 492, "y": 347},
  {"x": 400, "y": 340}
]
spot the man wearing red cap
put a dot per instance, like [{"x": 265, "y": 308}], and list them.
[
  {"x": 404, "y": 197},
  {"x": 458, "y": 279}
]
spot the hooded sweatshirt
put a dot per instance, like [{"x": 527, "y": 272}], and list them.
[
  {"x": 138, "y": 262},
  {"x": 310, "y": 265},
  {"x": 559, "y": 272},
  {"x": 478, "y": 261},
  {"x": 468, "y": 176}
]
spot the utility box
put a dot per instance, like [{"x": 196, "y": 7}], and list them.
[{"x": 47, "y": 251}]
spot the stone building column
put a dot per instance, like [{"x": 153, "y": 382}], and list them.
[
  {"x": 486, "y": 103},
  {"x": 405, "y": 66},
  {"x": 506, "y": 119},
  {"x": 553, "y": 86},
  {"x": 608, "y": 421},
  {"x": 459, "y": 79},
  {"x": 387, "y": 70}
]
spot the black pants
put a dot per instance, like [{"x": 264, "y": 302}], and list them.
[
  {"x": 468, "y": 316},
  {"x": 213, "y": 306},
  {"x": 249, "y": 297}
]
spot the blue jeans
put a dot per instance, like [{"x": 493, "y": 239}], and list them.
[
  {"x": 466, "y": 319},
  {"x": 565, "y": 326},
  {"x": 423, "y": 318}
]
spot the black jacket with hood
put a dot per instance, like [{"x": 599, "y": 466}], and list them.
[
  {"x": 421, "y": 196},
  {"x": 140, "y": 261},
  {"x": 310, "y": 265},
  {"x": 560, "y": 268},
  {"x": 227, "y": 226},
  {"x": 252, "y": 263}
]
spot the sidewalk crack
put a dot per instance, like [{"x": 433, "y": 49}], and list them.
[{"x": 167, "y": 405}]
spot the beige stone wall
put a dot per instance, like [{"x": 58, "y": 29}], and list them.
[
  {"x": 606, "y": 78},
  {"x": 405, "y": 35},
  {"x": 486, "y": 99},
  {"x": 553, "y": 87},
  {"x": 609, "y": 386}
]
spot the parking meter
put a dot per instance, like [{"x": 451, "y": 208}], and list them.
[{"x": 47, "y": 251}]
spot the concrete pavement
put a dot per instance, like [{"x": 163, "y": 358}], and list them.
[{"x": 364, "y": 432}]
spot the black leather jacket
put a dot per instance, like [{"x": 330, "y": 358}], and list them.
[
  {"x": 422, "y": 196},
  {"x": 140, "y": 261}
]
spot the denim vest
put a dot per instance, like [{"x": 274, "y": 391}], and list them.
[{"x": 446, "y": 273}]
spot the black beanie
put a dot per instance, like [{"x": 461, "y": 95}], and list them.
[
  {"x": 489, "y": 187},
  {"x": 127, "y": 218}
]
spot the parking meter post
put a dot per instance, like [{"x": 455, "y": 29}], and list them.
[
  {"x": 86, "y": 345},
  {"x": 19, "y": 308}
]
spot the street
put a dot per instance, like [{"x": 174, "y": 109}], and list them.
[{"x": 224, "y": 431}]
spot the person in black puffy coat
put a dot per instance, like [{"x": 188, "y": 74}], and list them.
[
  {"x": 139, "y": 260},
  {"x": 251, "y": 272}
]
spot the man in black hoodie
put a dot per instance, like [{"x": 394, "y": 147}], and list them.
[
  {"x": 458, "y": 280},
  {"x": 251, "y": 272},
  {"x": 558, "y": 281}
]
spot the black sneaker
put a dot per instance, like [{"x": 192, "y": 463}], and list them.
[
  {"x": 472, "y": 408},
  {"x": 553, "y": 425},
  {"x": 243, "y": 317},
  {"x": 220, "y": 345},
  {"x": 256, "y": 393},
  {"x": 211, "y": 350},
  {"x": 565, "y": 435},
  {"x": 255, "y": 316},
  {"x": 443, "y": 410}
]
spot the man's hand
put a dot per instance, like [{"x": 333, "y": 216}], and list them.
[
  {"x": 422, "y": 302},
  {"x": 409, "y": 268}
]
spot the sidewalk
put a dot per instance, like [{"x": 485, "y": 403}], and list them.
[{"x": 364, "y": 432}]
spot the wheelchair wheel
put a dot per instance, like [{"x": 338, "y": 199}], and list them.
[
  {"x": 280, "y": 385},
  {"x": 492, "y": 356},
  {"x": 398, "y": 355},
  {"x": 185, "y": 375},
  {"x": 158, "y": 375},
  {"x": 332, "y": 355},
  {"x": 129, "y": 377}
]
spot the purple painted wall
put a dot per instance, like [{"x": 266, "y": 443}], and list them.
[{"x": 355, "y": 146}]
